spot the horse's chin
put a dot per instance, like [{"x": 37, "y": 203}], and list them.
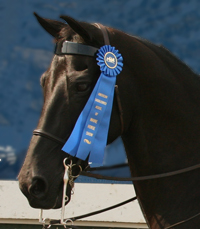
[{"x": 58, "y": 203}]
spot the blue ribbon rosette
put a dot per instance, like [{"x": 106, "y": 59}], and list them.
[{"x": 89, "y": 136}]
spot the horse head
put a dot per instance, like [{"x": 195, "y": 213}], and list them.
[{"x": 67, "y": 85}]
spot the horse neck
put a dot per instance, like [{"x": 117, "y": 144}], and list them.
[
  {"x": 164, "y": 134},
  {"x": 166, "y": 115}
]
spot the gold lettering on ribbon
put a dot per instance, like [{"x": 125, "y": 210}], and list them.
[
  {"x": 98, "y": 108},
  {"x": 102, "y": 95},
  {"x": 89, "y": 133},
  {"x": 91, "y": 127},
  {"x": 96, "y": 113},
  {"x": 93, "y": 120},
  {"x": 101, "y": 101},
  {"x": 87, "y": 141}
]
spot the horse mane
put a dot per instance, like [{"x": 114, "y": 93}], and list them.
[
  {"x": 160, "y": 49},
  {"x": 186, "y": 76},
  {"x": 66, "y": 33}
]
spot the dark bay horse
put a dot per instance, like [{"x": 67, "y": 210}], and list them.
[{"x": 160, "y": 99}]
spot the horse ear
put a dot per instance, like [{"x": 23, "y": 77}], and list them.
[
  {"x": 78, "y": 27},
  {"x": 51, "y": 26}
]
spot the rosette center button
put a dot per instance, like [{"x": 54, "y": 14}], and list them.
[{"x": 110, "y": 60}]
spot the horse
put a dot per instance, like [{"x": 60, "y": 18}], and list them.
[{"x": 161, "y": 122}]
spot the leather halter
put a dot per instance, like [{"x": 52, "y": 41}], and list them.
[{"x": 104, "y": 32}]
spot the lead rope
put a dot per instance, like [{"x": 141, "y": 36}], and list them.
[
  {"x": 182, "y": 222},
  {"x": 96, "y": 212}
]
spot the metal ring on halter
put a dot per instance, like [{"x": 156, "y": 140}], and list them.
[
  {"x": 66, "y": 198},
  {"x": 65, "y": 161},
  {"x": 79, "y": 171},
  {"x": 44, "y": 223},
  {"x": 68, "y": 220},
  {"x": 72, "y": 191},
  {"x": 44, "y": 220}
]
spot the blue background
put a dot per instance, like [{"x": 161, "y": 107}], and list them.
[{"x": 26, "y": 51}]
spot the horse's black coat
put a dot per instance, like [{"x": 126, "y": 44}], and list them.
[{"x": 160, "y": 98}]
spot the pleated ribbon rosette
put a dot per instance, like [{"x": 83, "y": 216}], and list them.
[{"x": 89, "y": 136}]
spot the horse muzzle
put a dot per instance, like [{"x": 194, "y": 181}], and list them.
[{"x": 42, "y": 195}]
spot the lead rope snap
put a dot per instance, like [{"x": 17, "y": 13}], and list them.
[{"x": 68, "y": 220}]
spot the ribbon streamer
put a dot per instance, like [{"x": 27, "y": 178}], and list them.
[{"x": 89, "y": 136}]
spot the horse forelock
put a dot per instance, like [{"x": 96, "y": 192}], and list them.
[{"x": 68, "y": 34}]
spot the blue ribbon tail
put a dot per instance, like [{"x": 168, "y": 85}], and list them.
[
  {"x": 89, "y": 136},
  {"x": 72, "y": 144},
  {"x": 97, "y": 153}
]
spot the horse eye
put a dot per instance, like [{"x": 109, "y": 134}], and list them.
[{"x": 82, "y": 87}]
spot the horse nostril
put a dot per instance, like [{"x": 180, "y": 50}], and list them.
[{"x": 38, "y": 188}]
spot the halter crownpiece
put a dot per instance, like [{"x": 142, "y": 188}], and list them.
[{"x": 89, "y": 136}]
